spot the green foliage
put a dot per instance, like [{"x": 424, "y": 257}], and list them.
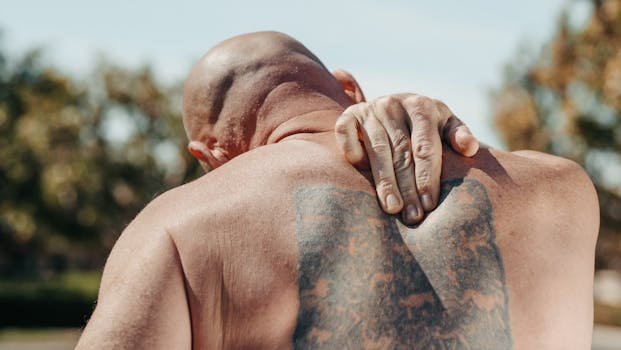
[
  {"x": 68, "y": 183},
  {"x": 64, "y": 300},
  {"x": 83, "y": 285},
  {"x": 567, "y": 101}
]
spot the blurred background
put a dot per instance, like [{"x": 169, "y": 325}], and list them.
[{"x": 90, "y": 115}]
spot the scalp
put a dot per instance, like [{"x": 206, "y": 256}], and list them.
[{"x": 231, "y": 81}]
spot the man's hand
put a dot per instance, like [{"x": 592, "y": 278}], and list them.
[{"x": 403, "y": 135}]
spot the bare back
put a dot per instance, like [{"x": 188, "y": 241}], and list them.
[
  {"x": 286, "y": 246},
  {"x": 368, "y": 282},
  {"x": 310, "y": 251}
]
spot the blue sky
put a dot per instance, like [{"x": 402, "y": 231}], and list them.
[{"x": 450, "y": 50}]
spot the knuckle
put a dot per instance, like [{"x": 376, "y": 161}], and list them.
[
  {"x": 401, "y": 143},
  {"x": 384, "y": 185},
  {"x": 380, "y": 146},
  {"x": 419, "y": 100},
  {"x": 355, "y": 111},
  {"x": 409, "y": 193},
  {"x": 412, "y": 98},
  {"x": 441, "y": 105},
  {"x": 386, "y": 102},
  {"x": 424, "y": 150},
  {"x": 350, "y": 110},
  {"x": 422, "y": 181},
  {"x": 342, "y": 125},
  {"x": 420, "y": 116},
  {"x": 402, "y": 162},
  {"x": 444, "y": 110},
  {"x": 355, "y": 107},
  {"x": 377, "y": 137},
  {"x": 402, "y": 156},
  {"x": 366, "y": 115},
  {"x": 363, "y": 108},
  {"x": 425, "y": 100}
]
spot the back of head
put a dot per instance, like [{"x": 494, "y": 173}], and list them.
[{"x": 247, "y": 84}]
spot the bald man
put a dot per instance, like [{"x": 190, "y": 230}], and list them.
[{"x": 286, "y": 245}]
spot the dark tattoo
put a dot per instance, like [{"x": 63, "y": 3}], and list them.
[{"x": 366, "y": 281}]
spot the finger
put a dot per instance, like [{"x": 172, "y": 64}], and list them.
[
  {"x": 455, "y": 132},
  {"x": 393, "y": 116},
  {"x": 426, "y": 149},
  {"x": 380, "y": 156},
  {"x": 346, "y": 130},
  {"x": 460, "y": 138}
]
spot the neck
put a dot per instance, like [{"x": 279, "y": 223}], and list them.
[
  {"x": 291, "y": 110},
  {"x": 304, "y": 125}
]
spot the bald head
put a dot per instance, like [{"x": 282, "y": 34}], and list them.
[{"x": 235, "y": 88}]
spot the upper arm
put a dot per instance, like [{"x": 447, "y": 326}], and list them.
[
  {"x": 560, "y": 230},
  {"x": 570, "y": 197},
  {"x": 142, "y": 301},
  {"x": 585, "y": 204},
  {"x": 576, "y": 210}
]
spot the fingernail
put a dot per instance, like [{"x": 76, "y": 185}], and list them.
[
  {"x": 427, "y": 203},
  {"x": 411, "y": 213},
  {"x": 392, "y": 202},
  {"x": 463, "y": 138},
  {"x": 463, "y": 131}
]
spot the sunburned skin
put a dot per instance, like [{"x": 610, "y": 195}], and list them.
[{"x": 367, "y": 281}]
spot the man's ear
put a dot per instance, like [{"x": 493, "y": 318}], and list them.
[
  {"x": 350, "y": 86},
  {"x": 212, "y": 155}
]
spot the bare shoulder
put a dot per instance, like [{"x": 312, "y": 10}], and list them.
[
  {"x": 547, "y": 201},
  {"x": 565, "y": 170},
  {"x": 564, "y": 185},
  {"x": 143, "y": 262},
  {"x": 546, "y": 216},
  {"x": 238, "y": 192},
  {"x": 555, "y": 194},
  {"x": 527, "y": 177}
]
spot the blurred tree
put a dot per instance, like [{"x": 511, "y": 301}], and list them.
[
  {"x": 567, "y": 101},
  {"x": 79, "y": 160}
]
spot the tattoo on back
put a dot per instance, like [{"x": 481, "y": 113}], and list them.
[{"x": 366, "y": 281}]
